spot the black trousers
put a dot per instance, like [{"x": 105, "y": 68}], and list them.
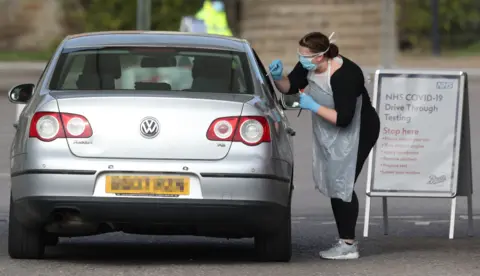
[{"x": 346, "y": 213}]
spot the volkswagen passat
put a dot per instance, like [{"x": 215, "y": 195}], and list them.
[{"x": 151, "y": 133}]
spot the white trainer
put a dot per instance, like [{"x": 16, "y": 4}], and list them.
[{"x": 341, "y": 251}]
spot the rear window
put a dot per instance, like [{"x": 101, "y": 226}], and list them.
[{"x": 159, "y": 69}]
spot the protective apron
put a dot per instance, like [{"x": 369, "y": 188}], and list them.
[{"x": 335, "y": 148}]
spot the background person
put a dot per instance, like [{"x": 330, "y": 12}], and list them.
[
  {"x": 215, "y": 18},
  {"x": 345, "y": 128}
]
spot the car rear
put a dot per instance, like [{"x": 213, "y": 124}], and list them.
[{"x": 121, "y": 147}]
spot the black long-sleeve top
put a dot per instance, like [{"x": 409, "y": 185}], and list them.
[{"x": 348, "y": 83}]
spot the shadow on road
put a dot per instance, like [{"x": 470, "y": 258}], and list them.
[
  {"x": 134, "y": 250},
  {"x": 144, "y": 253},
  {"x": 196, "y": 252}
]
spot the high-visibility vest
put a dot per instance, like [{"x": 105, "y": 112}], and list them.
[
  {"x": 202, "y": 13},
  {"x": 215, "y": 22}
]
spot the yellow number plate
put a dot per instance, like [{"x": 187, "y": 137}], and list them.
[{"x": 150, "y": 185}]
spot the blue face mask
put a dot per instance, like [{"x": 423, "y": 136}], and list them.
[
  {"x": 307, "y": 63},
  {"x": 218, "y": 6}
]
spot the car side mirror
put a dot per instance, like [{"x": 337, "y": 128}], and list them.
[
  {"x": 21, "y": 93},
  {"x": 290, "y": 101}
]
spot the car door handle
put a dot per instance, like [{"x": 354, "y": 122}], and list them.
[
  {"x": 290, "y": 131},
  {"x": 15, "y": 125}
]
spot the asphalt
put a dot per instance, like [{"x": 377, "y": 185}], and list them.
[{"x": 417, "y": 243}]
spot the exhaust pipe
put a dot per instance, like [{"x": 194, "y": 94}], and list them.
[
  {"x": 58, "y": 217},
  {"x": 69, "y": 222},
  {"x": 66, "y": 217}
]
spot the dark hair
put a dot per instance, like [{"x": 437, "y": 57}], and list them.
[{"x": 317, "y": 43}]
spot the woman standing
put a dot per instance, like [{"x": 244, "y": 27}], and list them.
[{"x": 345, "y": 128}]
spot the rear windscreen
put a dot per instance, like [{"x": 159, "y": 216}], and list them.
[{"x": 159, "y": 69}]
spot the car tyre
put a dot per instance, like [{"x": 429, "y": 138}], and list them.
[
  {"x": 51, "y": 240},
  {"x": 276, "y": 246},
  {"x": 23, "y": 242}
]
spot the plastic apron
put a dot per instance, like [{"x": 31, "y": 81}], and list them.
[{"x": 335, "y": 148}]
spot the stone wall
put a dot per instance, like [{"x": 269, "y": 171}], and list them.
[
  {"x": 28, "y": 24},
  {"x": 274, "y": 27},
  {"x": 45, "y": 27}
]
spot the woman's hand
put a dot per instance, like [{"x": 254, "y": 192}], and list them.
[
  {"x": 307, "y": 102},
  {"x": 276, "y": 69}
]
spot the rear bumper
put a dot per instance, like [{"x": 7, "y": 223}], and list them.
[
  {"x": 237, "y": 217},
  {"x": 235, "y": 197},
  {"x": 226, "y": 205},
  {"x": 226, "y": 187},
  {"x": 250, "y": 178}
]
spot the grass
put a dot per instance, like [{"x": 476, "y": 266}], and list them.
[
  {"x": 25, "y": 55},
  {"x": 472, "y": 50}
]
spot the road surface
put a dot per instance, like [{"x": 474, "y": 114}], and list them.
[{"x": 417, "y": 245}]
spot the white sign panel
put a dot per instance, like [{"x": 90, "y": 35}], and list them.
[
  {"x": 192, "y": 25},
  {"x": 418, "y": 145}
]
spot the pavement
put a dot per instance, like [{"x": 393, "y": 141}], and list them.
[{"x": 417, "y": 243}]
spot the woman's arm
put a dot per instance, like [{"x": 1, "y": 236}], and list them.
[
  {"x": 296, "y": 80},
  {"x": 347, "y": 87},
  {"x": 328, "y": 114},
  {"x": 283, "y": 85}
]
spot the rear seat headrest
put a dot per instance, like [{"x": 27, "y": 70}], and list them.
[
  {"x": 95, "y": 82},
  {"x": 156, "y": 62},
  {"x": 215, "y": 67},
  {"x": 103, "y": 64},
  {"x": 163, "y": 86}
]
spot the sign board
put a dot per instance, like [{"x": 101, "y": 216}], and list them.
[
  {"x": 423, "y": 149},
  {"x": 191, "y": 25},
  {"x": 417, "y": 153}
]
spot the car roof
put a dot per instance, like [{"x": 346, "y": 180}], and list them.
[{"x": 152, "y": 38}]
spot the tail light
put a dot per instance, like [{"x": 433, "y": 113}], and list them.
[
  {"x": 48, "y": 126},
  {"x": 250, "y": 130}
]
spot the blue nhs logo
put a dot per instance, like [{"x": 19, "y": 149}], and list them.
[{"x": 444, "y": 84}]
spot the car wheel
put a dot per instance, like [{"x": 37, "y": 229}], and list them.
[
  {"x": 51, "y": 240},
  {"x": 23, "y": 242},
  {"x": 276, "y": 246}
]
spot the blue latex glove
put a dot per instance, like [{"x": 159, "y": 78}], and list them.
[
  {"x": 307, "y": 102},
  {"x": 276, "y": 69}
]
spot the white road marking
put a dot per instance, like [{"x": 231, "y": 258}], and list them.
[
  {"x": 398, "y": 217},
  {"x": 476, "y": 217},
  {"x": 333, "y": 222},
  {"x": 466, "y": 217},
  {"x": 421, "y": 222},
  {"x": 360, "y": 221},
  {"x": 327, "y": 222},
  {"x": 429, "y": 222},
  {"x": 372, "y": 217},
  {"x": 371, "y": 223}
]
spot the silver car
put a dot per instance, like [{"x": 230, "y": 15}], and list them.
[{"x": 120, "y": 135}]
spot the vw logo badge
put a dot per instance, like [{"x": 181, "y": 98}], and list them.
[{"x": 149, "y": 127}]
